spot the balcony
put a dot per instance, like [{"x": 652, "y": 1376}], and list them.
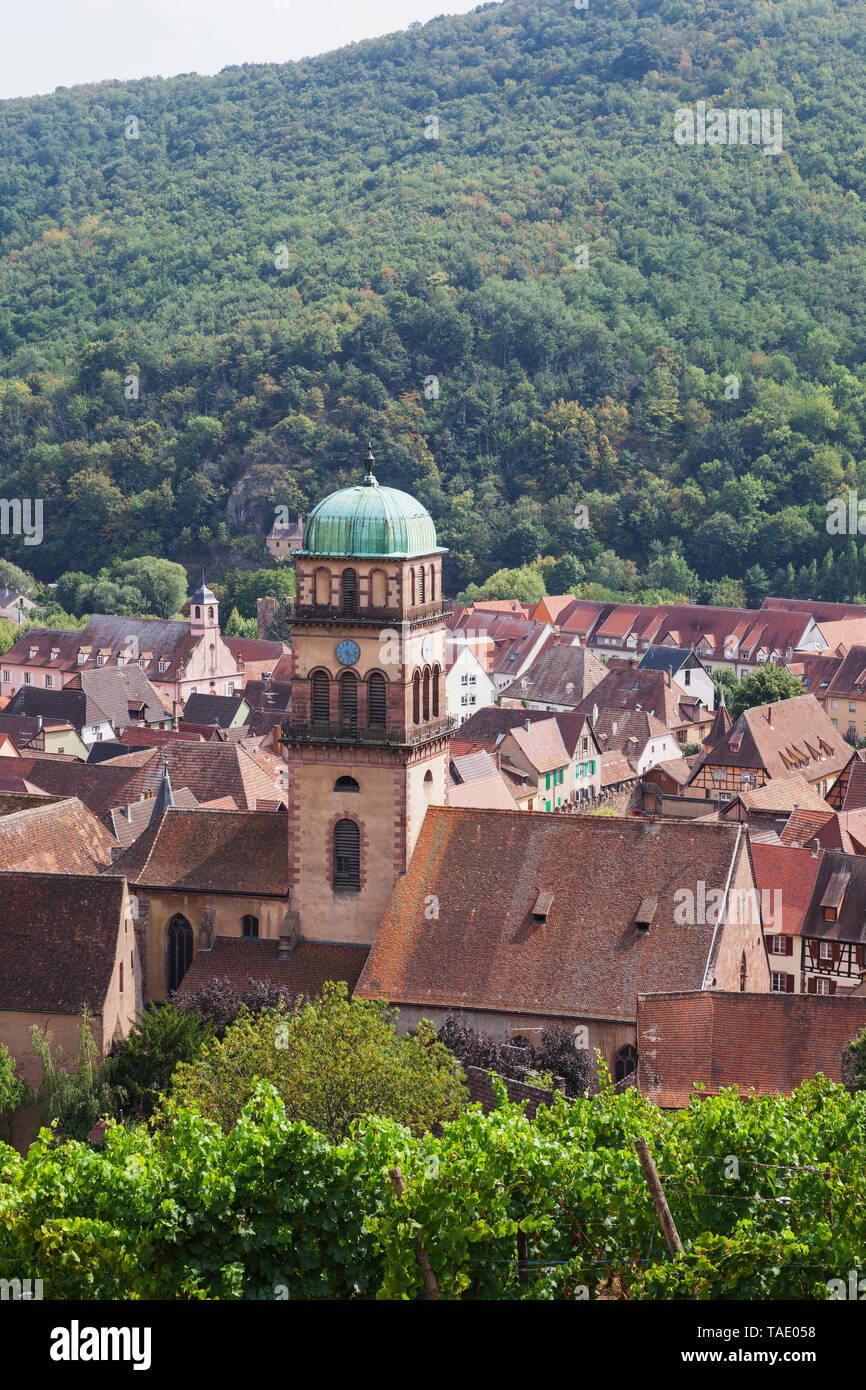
[
  {"x": 294, "y": 732},
  {"x": 318, "y": 614}
]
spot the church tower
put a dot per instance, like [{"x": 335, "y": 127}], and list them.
[
  {"x": 368, "y": 738},
  {"x": 204, "y": 613}
]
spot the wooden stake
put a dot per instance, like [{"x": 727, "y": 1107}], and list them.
[
  {"x": 523, "y": 1259},
  {"x": 672, "y": 1235},
  {"x": 430, "y": 1284}
]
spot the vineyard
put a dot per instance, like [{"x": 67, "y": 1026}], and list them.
[{"x": 768, "y": 1196}]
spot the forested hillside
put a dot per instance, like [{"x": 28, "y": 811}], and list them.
[{"x": 214, "y": 282}]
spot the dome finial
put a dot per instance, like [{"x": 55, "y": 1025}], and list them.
[{"x": 369, "y": 480}]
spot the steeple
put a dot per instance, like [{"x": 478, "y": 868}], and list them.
[
  {"x": 721, "y": 724},
  {"x": 164, "y": 796}
]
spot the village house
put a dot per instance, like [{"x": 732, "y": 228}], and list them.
[
  {"x": 785, "y": 877},
  {"x": 506, "y": 643},
  {"x": 15, "y": 606},
  {"x": 834, "y": 928},
  {"x": 476, "y": 779},
  {"x": 98, "y": 704},
  {"x": 558, "y": 680},
  {"x": 686, "y": 671},
  {"x": 775, "y": 740},
  {"x": 179, "y": 658},
  {"x": 581, "y": 914},
  {"x": 284, "y": 538},
  {"x": 626, "y": 687},
  {"x": 468, "y": 684},
  {"x": 67, "y": 941},
  {"x": 36, "y": 734}
]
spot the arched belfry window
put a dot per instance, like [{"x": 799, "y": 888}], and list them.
[
  {"x": 349, "y": 699},
  {"x": 436, "y": 674},
  {"x": 377, "y": 700},
  {"x": 346, "y": 784},
  {"x": 416, "y": 698},
  {"x": 427, "y": 694},
  {"x": 412, "y": 573},
  {"x": 321, "y": 691},
  {"x": 625, "y": 1064},
  {"x": 432, "y": 582},
  {"x": 179, "y": 949},
  {"x": 350, "y": 592},
  {"x": 421, "y": 585},
  {"x": 378, "y": 588},
  {"x": 347, "y": 855}
]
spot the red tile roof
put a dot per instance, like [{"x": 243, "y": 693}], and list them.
[
  {"x": 58, "y": 941},
  {"x": 204, "y": 851},
  {"x": 791, "y": 872},
  {"x": 59, "y": 837},
  {"x": 586, "y": 961},
  {"x": 768, "y": 1042},
  {"x": 240, "y": 960}
]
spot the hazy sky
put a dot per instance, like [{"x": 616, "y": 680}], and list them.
[{"x": 58, "y": 43}]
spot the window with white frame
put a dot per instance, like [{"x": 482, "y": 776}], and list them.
[
  {"x": 822, "y": 985},
  {"x": 825, "y": 950}
]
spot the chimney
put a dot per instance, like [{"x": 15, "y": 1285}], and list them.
[
  {"x": 595, "y": 714},
  {"x": 174, "y": 715},
  {"x": 289, "y": 933},
  {"x": 39, "y": 723},
  {"x": 527, "y": 724},
  {"x": 770, "y": 715},
  {"x": 814, "y": 847}
]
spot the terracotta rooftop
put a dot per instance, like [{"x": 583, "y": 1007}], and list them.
[
  {"x": 485, "y": 952},
  {"x": 848, "y": 792},
  {"x": 766, "y": 1042},
  {"x": 560, "y": 676},
  {"x": 58, "y": 941},
  {"x": 786, "y": 737},
  {"x": 847, "y": 873},
  {"x": 487, "y": 793},
  {"x": 58, "y": 837},
  {"x": 541, "y": 744},
  {"x": 203, "y": 851},
  {"x": 791, "y": 872},
  {"x": 306, "y": 970}
]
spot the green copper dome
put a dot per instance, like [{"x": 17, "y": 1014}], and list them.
[{"x": 369, "y": 520}]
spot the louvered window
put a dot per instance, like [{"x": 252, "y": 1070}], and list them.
[
  {"x": 421, "y": 585},
  {"x": 321, "y": 698},
  {"x": 416, "y": 698},
  {"x": 377, "y": 700},
  {"x": 350, "y": 592},
  {"x": 347, "y": 855},
  {"x": 426, "y": 694},
  {"x": 349, "y": 700},
  {"x": 435, "y": 692}
]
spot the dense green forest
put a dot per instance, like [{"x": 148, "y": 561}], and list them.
[{"x": 212, "y": 290}]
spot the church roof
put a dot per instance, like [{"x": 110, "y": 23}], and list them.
[{"x": 369, "y": 521}]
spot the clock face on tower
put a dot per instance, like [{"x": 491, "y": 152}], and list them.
[
  {"x": 426, "y": 648},
  {"x": 348, "y": 652}
]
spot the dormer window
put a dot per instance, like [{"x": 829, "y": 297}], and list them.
[
  {"x": 32, "y": 653},
  {"x": 645, "y": 913},
  {"x": 834, "y": 894},
  {"x": 82, "y": 656},
  {"x": 541, "y": 908},
  {"x": 55, "y": 652},
  {"x": 163, "y": 664},
  {"x": 100, "y": 659}
]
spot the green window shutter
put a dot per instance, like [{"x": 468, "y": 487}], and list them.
[
  {"x": 547, "y": 805},
  {"x": 547, "y": 784}
]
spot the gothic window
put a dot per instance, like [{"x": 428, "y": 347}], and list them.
[
  {"x": 435, "y": 692},
  {"x": 346, "y": 784},
  {"x": 179, "y": 949},
  {"x": 350, "y": 592},
  {"x": 426, "y": 694},
  {"x": 347, "y": 855},
  {"x": 625, "y": 1064},
  {"x": 321, "y": 686},
  {"x": 416, "y": 698},
  {"x": 349, "y": 699},
  {"x": 377, "y": 700},
  {"x": 249, "y": 926},
  {"x": 421, "y": 585}
]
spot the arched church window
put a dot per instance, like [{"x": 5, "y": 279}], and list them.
[
  {"x": 427, "y": 694},
  {"x": 350, "y": 592},
  {"x": 428, "y": 784},
  {"x": 179, "y": 949},
  {"x": 210, "y": 614},
  {"x": 432, "y": 582},
  {"x": 249, "y": 926},
  {"x": 436, "y": 674},
  {"x": 349, "y": 699},
  {"x": 416, "y": 698},
  {"x": 346, "y": 784},
  {"x": 347, "y": 855},
  {"x": 377, "y": 700},
  {"x": 625, "y": 1064},
  {"x": 321, "y": 690}
]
